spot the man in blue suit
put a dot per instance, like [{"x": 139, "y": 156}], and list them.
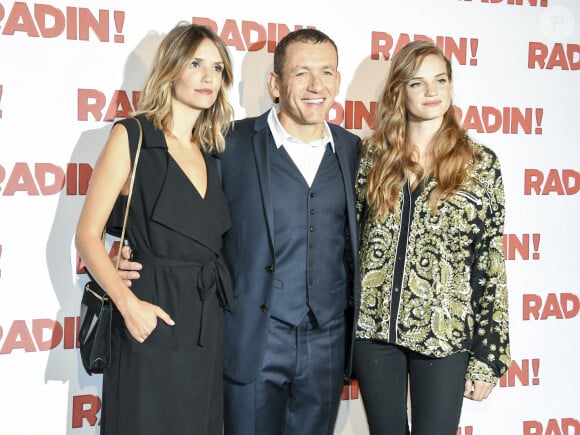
[{"x": 288, "y": 177}]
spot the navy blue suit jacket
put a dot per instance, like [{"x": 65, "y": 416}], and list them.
[{"x": 249, "y": 245}]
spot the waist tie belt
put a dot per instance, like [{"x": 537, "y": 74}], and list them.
[{"x": 213, "y": 280}]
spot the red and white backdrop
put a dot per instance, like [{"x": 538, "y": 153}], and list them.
[{"x": 68, "y": 69}]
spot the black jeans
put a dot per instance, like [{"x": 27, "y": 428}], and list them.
[{"x": 384, "y": 372}]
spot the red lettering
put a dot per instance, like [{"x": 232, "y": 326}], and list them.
[
  {"x": 521, "y": 119},
  {"x": 41, "y": 12},
  {"x": 248, "y": 35},
  {"x": 573, "y": 54},
  {"x": 472, "y": 120},
  {"x": 533, "y": 427},
  {"x": 90, "y": 101},
  {"x": 510, "y": 120},
  {"x": 552, "y": 308},
  {"x": 39, "y": 326},
  {"x": 18, "y": 337},
  {"x": 522, "y": 373},
  {"x": 513, "y": 245},
  {"x": 533, "y": 179},
  {"x": 567, "y": 426},
  {"x": 571, "y": 181},
  {"x": 71, "y": 326},
  {"x": 249, "y": 28},
  {"x": 356, "y": 112},
  {"x": 457, "y": 50},
  {"x": 20, "y": 20},
  {"x": 531, "y": 306},
  {"x": 45, "y": 334},
  {"x": 48, "y": 21},
  {"x": 570, "y": 423},
  {"x": 557, "y": 58},
  {"x": 560, "y": 306},
  {"x": 493, "y": 119},
  {"x": 88, "y": 22},
  {"x": 553, "y": 183},
  {"x": 48, "y": 179},
  {"x": 231, "y": 35},
  {"x": 85, "y": 172},
  {"x": 20, "y": 180},
  {"x": 564, "y": 57},
  {"x": 403, "y": 40},
  {"x": 119, "y": 107},
  {"x": 42, "y": 171},
  {"x": 381, "y": 44},
  {"x": 85, "y": 407},
  {"x": 566, "y": 183},
  {"x": 570, "y": 305}
]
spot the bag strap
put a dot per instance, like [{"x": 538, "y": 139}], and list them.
[{"x": 130, "y": 194}]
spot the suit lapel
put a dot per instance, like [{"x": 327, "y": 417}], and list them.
[
  {"x": 347, "y": 177},
  {"x": 261, "y": 143}
]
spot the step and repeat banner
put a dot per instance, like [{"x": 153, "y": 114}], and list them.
[{"x": 69, "y": 69}]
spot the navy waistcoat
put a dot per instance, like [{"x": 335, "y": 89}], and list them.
[{"x": 309, "y": 242}]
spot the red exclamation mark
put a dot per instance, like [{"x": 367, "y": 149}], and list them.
[
  {"x": 539, "y": 116},
  {"x": 119, "y": 22},
  {"x": 544, "y": 3},
  {"x": 536, "y": 370},
  {"x": 536, "y": 243},
  {"x": 474, "y": 44}
]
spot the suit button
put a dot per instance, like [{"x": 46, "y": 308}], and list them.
[
  {"x": 312, "y": 211},
  {"x": 264, "y": 308},
  {"x": 269, "y": 269},
  {"x": 310, "y": 281},
  {"x": 312, "y": 229}
]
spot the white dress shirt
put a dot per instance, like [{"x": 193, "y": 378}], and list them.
[{"x": 306, "y": 156}]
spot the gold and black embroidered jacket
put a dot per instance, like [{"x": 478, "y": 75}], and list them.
[{"x": 434, "y": 281}]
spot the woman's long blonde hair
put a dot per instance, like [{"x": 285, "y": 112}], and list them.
[
  {"x": 388, "y": 147},
  {"x": 175, "y": 53}
]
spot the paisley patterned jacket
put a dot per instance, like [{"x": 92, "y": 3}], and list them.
[{"x": 435, "y": 282}]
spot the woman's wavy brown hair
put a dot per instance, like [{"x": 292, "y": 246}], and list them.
[
  {"x": 388, "y": 146},
  {"x": 173, "y": 55}
]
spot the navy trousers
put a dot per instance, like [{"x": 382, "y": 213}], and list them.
[{"x": 298, "y": 388}]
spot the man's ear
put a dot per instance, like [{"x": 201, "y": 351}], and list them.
[{"x": 274, "y": 86}]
